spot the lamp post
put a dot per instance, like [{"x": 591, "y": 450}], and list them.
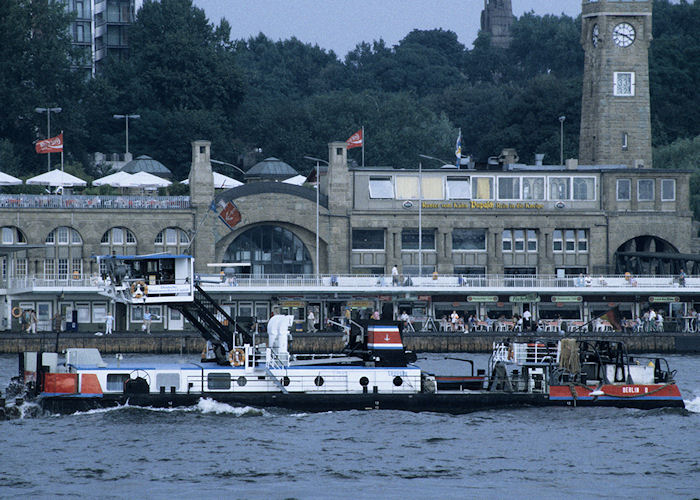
[
  {"x": 126, "y": 119},
  {"x": 561, "y": 138},
  {"x": 48, "y": 112},
  {"x": 420, "y": 219},
  {"x": 437, "y": 159},
  {"x": 318, "y": 178},
  {"x": 219, "y": 162}
]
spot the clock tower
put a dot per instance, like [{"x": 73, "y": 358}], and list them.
[{"x": 615, "y": 118}]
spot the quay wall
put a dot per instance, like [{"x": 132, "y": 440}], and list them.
[{"x": 188, "y": 343}]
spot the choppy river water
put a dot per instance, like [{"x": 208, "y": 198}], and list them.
[{"x": 213, "y": 450}]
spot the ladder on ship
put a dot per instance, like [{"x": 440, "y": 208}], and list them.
[{"x": 213, "y": 322}]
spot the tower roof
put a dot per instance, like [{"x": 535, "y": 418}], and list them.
[
  {"x": 271, "y": 168},
  {"x": 147, "y": 164}
]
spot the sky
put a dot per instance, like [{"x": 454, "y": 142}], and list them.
[{"x": 339, "y": 25}]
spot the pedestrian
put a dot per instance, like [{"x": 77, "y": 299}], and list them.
[
  {"x": 454, "y": 319},
  {"x": 681, "y": 278},
  {"x": 394, "y": 276},
  {"x": 527, "y": 320},
  {"x": 57, "y": 320},
  {"x": 109, "y": 321},
  {"x": 376, "y": 316},
  {"x": 32, "y": 320},
  {"x": 147, "y": 318},
  {"x": 311, "y": 322}
]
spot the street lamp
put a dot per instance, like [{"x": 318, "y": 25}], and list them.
[
  {"x": 126, "y": 119},
  {"x": 48, "y": 112},
  {"x": 218, "y": 162},
  {"x": 561, "y": 137},
  {"x": 420, "y": 219},
  {"x": 437, "y": 159},
  {"x": 318, "y": 163}
]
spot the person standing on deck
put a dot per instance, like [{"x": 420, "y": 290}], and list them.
[
  {"x": 311, "y": 322},
  {"x": 109, "y": 321}
]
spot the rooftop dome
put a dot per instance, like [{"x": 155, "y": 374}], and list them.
[
  {"x": 271, "y": 169},
  {"x": 147, "y": 164}
]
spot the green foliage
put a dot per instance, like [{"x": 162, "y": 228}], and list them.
[
  {"x": 188, "y": 80},
  {"x": 683, "y": 154}
]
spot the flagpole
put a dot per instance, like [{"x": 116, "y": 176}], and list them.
[
  {"x": 420, "y": 219},
  {"x": 61, "y": 150},
  {"x": 363, "y": 145}
]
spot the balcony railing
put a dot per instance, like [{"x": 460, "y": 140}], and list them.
[
  {"x": 72, "y": 202},
  {"x": 483, "y": 284}
]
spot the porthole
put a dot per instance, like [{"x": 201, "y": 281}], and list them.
[
  {"x": 285, "y": 381},
  {"x": 364, "y": 381},
  {"x": 318, "y": 381},
  {"x": 398, "y": 381},
  {"x": 242, "y": 381}
]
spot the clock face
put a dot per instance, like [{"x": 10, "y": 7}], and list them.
[
  {"x": 595, "y": 35},
  {"x": 623, "y": 35}
]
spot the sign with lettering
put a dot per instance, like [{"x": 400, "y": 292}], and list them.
[
  {"x": 664, "y": 300},
  {"x": 483, "y": 205},
  {"x": 567, "y": 298},
  {"x": 524, "y": 298},
  {"x": 482, "y": 298},
  {"x": 292, "y": 303}
]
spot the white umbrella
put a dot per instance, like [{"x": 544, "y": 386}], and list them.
[
  {"x": 56, "y": 178},
  {"x": 221, "y": 181},
  {"x": 146, "y": 180},
  {"x": 8, "y": 180},
  {"x": 117, "y": 179},
  {"x": 297, "y": 180}
]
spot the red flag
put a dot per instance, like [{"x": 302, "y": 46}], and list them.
[
  {"x": 230, "y": 215},
  {"x": 355, "y": 140},
  {"x": 50, "y": 145}
]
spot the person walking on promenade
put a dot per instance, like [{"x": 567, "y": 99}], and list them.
[
  {"x": 32, "y": 321},
  {"x": 147, "y": 318},
  {"x": 109, "y": 321},
  {"x": 394, "y": 276},
  {"x": 311, "y": 322},
  {"x": 681, "y": 278}
]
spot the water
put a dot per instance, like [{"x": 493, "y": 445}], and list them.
[{"x": 215, "y": 450}]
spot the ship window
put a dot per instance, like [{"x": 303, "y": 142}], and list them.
[
  {"x": 219, "y": 381},
  {"x": 398, "y": 381},
  {"x": 115, "y": 381},
  {"x": 168, "y": 380},
  {"x": 318, "y": 381}
]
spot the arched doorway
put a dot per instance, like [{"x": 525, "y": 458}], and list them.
[
  {"x": 270, "y": 250},
  {"x": 647, "y": 255}
]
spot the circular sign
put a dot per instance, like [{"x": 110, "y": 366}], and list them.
[
  {"x": 408, "y": 204},
  {"x": 560, "y": 204}
]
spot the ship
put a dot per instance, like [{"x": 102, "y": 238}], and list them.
[{"x": 244, "y": 366}]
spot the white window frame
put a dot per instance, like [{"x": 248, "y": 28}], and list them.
[
  {"x": 629, "y": 190},
  {"x": 544, "y": 188},
  {"x": 454, "y": 179},
  {"x": 581, "y": 238},
  {"x": 519, "y": 240},
  {"x": 474, "y": 181},
  {"x": 639, "y": 191},
  {"x": 498, "y": 188},
  {"x": 7, "y": 236},
  {"x": 507, "y": 236},
  {"x": 531, "y": 237},
  {"x": 673, "y": 189},
  {"x": 573, "y": 188},
  {"x": 558, "y": 237},
  {"x": 549, "y": 187},
  {"x": 617, "y": 76},
  {"x": 567, "y": 240},
  {"x": 99, "y": 311},
  {"x": 387, "y": 182}
]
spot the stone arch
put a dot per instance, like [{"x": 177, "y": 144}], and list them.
[
  {"x": 64, "y": 253},
  {"x": 647, "y": 254},
  {"x": 12, "y": 235},
  {"x": 270, "y": 249}
]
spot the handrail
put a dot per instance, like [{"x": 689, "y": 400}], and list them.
[{"x": 82, "y": 201}]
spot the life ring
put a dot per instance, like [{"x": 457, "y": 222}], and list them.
[
  {"x": 139, "y": 289},
  {"x": 17, "y": 312},
  {"x": 236, "y": 357}
]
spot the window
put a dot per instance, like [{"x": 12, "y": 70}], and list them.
[
  {"x": 406, "y": 187},
  {"x": 469, "y": 239},
  {"x": 559, "y": 188},
  {"x": 668, "y": 189},
  {"x": 433, "y": 188},
  {"x": 624, "y": 190},
  {"x": 557, "y": 241},
  {"x": 570, "y": 243},
  {"x": 270, "y": 250},
  {"x": 173, "y": 237},
  {"x": 62, "y": 233},
  {"x": 584, "y": 188},
  {"x": 7, "y": 236},
  {"x": 76, "y": 267},
  {"x": 64, "y": 236},
  {"x": 83, "y": 312},
  {"x": 623, "y": 84},
  {"x": 533, "y": 188},
  {"x": 117, "y": 236},
  {"x": 219, "y": 381},
  {"x": 21, "y": 267},
  {"x": 509, "y": 188},
  {"x": 409, "y": 239},
  {"x": 458, "y": 188},
  {"x": 482, "y": 188},
  {"x": 624, "y": 141},
  {"x": 115, "y": 381},
  {"x": 582, "y": 240},
  {"x": 368, "y": 239},
  {"x": 49, "y": 268},
  {"x": 645, "y": 190},
  {"x": 381, "y": 187},
  {"x": 99, "y": 311},
  {"x": 170, "y": 236},
  {"x": 531, "y": 240},
  {"x": 507, "y": 240}
]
